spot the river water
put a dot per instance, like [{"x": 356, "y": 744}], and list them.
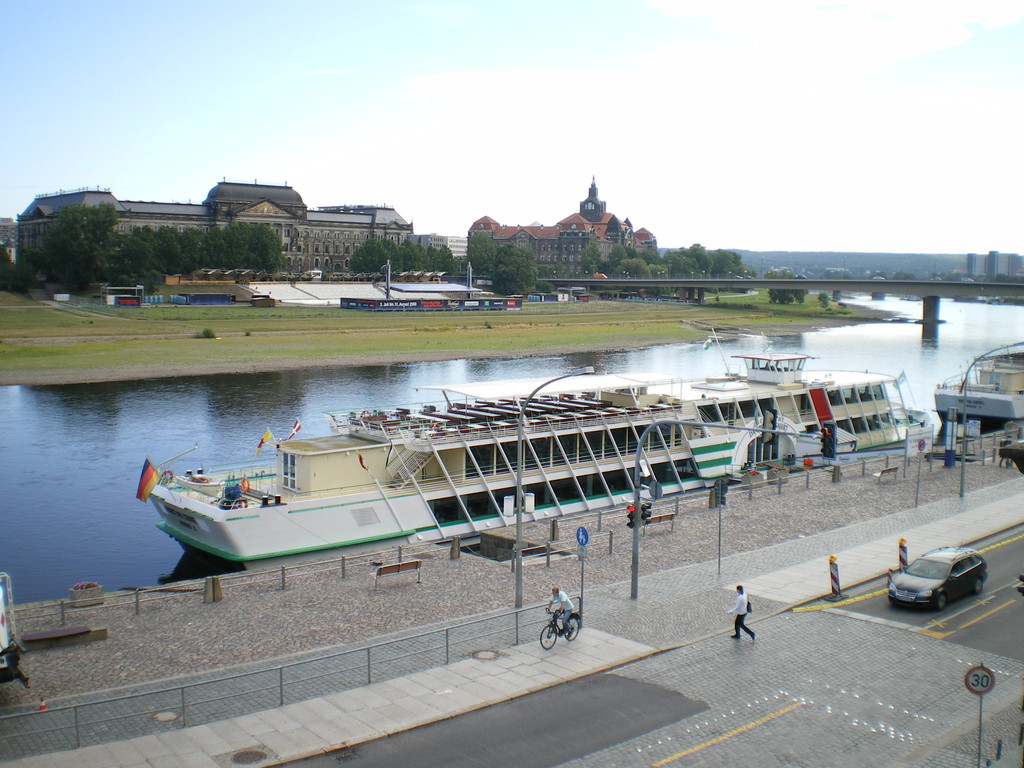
[{"x": 72, "y": 454}]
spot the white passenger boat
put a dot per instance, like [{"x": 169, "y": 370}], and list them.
[
  {"x": 993, "y": 394},
  {"x": 431, "y": 473}
]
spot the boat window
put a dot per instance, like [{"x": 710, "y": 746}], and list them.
[
  {"x": 834, "y": 397},
  {"x": 621, "y": 438},
  {"x": 570, "y": 446},
  {"x": 708, "y": 412},
  {"x": 617, "y": 481},
  {"x": 859, "y": 425},
  {"x": 483, "y": 455},
  {"x": 566, "y": 491},
  {"x": 447, "y": 511},
  {"x": 878, "y": 392},
  {"x": 686, "y": 469},
  {"x": 541, "y": 447},
  {"x": 747, "y": 408},
  {"x": 849, "y": 395},
  {"x": 479, "y": 506},
  {"x": 845, "y": 425},
  {"x": 288, "y": 470}
]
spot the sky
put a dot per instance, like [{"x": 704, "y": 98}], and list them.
[{"x": 801, "y": 125}]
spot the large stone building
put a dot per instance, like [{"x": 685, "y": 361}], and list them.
[
  {"x": 564, "y": 242},
  {"x": 319, "y": 238}
]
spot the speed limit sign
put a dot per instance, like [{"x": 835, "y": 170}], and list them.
[{"x": 979, "y": 680}]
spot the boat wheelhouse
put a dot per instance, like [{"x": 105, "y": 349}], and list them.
[
  {"x": 993, "y": 396},
  {"x": 450, "y": 468}
]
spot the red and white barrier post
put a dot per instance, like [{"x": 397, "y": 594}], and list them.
[
  {"x": 903, "y": 554},
  {"x": 833, "y": 569}
]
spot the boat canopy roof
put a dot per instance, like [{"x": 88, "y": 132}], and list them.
[{"x": 520, "y": 388}]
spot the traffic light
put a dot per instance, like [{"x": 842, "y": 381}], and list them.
[
  {"x": 828, "y": 440},
  {"x": 645, "y": 511},
  {"x": 631, "y": 516},
  {"x": 1020, "y": 587},
  {"x": 721, "y": 488}
]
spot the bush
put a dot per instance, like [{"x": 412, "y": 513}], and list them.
[{"x": 206, "y": 333}]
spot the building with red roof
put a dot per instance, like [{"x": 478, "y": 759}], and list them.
[{"x": 564, "y": 242}]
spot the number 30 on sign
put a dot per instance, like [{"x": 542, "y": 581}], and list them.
[{"x": 979, "y": 680}]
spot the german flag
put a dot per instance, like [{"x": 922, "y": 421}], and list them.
[{"x": 147, "y": 481}]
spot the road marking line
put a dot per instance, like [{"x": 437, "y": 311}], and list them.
[
  {"x": 986, "y": 614},
  {"x": 728, "y": 735}
]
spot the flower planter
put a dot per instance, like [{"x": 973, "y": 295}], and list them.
[{"x": 80, "y": 598}]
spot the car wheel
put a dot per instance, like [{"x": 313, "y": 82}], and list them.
[
  {"x": 940, "y": 601},
  {"x": 979, "y": 584}
]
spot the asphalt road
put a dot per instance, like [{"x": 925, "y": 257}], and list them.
[
  {"x": 537, "y": 731},
  {"x": 990, "y": 622}
]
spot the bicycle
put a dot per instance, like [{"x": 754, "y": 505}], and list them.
[{"x": 551, "y": 631}]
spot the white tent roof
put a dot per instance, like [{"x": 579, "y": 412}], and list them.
[{"x": 519, "y": 388}]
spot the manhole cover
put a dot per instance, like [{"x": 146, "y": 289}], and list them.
[
  {"x": 248, "y": 757},
  {"x": 485, "y": 655}
]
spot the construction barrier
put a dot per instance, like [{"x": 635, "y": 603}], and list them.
[{"x": 903, "y": 554}]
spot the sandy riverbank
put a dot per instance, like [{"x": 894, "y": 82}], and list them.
[{"x": 165, "y": 368}]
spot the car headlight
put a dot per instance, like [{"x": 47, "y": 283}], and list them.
[{"x": 925, "y": 594}]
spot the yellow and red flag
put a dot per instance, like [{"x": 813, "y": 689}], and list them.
[
  {"x": 147, "y": 481},
  {"x": 267, "y": 437}
]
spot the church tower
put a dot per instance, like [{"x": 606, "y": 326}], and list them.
[{"x": 592, "y": 209}]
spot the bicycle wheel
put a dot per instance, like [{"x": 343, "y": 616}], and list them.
[
  {"x": 548, "y": 636},
  {"x": 572, "y": 628}
]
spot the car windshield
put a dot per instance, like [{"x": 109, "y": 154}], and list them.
[{"x": 928, "y": 569}]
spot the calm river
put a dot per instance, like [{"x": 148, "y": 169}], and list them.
[{"x": 72, "y": 454}]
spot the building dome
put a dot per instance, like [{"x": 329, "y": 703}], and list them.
[{"x": 234, "y": 193}]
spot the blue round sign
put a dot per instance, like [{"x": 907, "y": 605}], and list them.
[{"x": 582, "y": 537}]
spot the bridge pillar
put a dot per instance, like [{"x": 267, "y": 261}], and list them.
[
  {"x": 930, "y": 310},
  {"x": 700, "y": 295},
  {"x": 837, "y": 295}
]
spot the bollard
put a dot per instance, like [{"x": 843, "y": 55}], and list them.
[
  {"x": 554, "y": 531},
  {"x": 456, "y": 548},
  {"x": 833, "y": 569},
  {"x": 211, "y": 590},
  {"x": 903, "y": 554},
  {"x": 837, "y": 473}
]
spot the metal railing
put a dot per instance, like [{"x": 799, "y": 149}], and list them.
[{"x": 158, "y": 710}]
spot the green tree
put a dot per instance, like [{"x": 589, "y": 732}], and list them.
[
  {"x": 634, "y": 268},
  {"x": 481, "y": 252},
  {"x": 77, "y": 245},
  {"x": 411, "y": 257},
  {"x": 514, "y": 270},
  {"x": 824, "y": 300},
  {"x": 591, "y": 260},
  {"x": 784, "y": 295},
  {"x": 132, "y": 257},
  {"x": 442, "y": 260},
  {"x": 372, "y": 255},
  {"x": 19, "y": 276}
]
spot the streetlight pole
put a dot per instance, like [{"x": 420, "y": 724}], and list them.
[
  {"x": 518, "y": 554},
  {"x": 963, "y": 412}
]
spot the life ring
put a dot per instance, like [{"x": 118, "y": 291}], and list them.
[
  {"x": 244, "y": 484},
  {"x": 240, "y": 504},
  {"x": 166, "y": 476}
]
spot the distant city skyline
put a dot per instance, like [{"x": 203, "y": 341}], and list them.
[{"x": 859, "y": 126}]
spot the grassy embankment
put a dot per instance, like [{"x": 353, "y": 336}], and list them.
[{"x": 43, "y": 343}]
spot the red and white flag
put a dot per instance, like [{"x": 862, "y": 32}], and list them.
[{"x": 295, "y": 429}]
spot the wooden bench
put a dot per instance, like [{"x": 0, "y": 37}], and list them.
[
  {"x": 884, "y": 472},
  {"x": 664, "y": 517},
  {"x": 402, "y": 567},
  {"x": 52, "y": 638}
]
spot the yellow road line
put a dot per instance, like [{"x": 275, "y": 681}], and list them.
[
  {"x": 728, "y": 735},
  {"x": 987, "y": 614}
]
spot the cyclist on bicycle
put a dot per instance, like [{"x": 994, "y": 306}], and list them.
[{"x": 561, "y": 606}]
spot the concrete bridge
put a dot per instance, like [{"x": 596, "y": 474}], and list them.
[{"x": 695, "y": 288}]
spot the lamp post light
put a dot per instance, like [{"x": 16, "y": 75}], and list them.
[
  {"x": 963, "y": 412},
  {"x": 518, "y": 554}
]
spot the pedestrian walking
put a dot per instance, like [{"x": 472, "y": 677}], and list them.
[
  {"x": 1005, "y": 461},
  {"x": 740, "y": 607}
]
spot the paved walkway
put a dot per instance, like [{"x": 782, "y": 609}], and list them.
[{"x": 800, "y": 659}]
